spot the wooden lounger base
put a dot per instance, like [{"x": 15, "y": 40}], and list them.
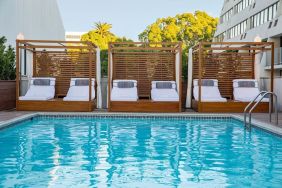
[
  {"x": 144, "y": 106},
  {"x": 227, "y": 107},
  {"x": 56, "y": 106}
]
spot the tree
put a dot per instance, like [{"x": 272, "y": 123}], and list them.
[
  {"x": 7, "y": 61},
  {"x": 101, "y": 35},
  {"x": 188, "y": 28}
]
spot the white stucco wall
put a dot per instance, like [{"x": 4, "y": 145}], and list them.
[{"x": 36, "y": 19}]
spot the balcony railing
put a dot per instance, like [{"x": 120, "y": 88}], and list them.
[{"x": 277, "y": 57}]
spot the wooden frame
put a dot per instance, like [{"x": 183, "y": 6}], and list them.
[
  {"x": 144, "y": 62},
  {"x": 226, "y": 61},
  {"x": 60, "y": 59}
]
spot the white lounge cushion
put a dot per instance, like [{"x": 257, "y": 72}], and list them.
[
  {"x": 208, "y": 93},
  {"x": 38, "y": 92},
  {"x": 124, "y": 94},
  {"x": 246, "y": 94},
  {"x": 79, "y": 93},
  {"x": 29, "y": 98},
  {"x": 164, "y": 95}
]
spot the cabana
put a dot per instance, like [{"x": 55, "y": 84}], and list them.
[
  {"x": 228, "y": 65},
  {"x": 138, "y": 65},
  {"x": 57, "y": 76}
]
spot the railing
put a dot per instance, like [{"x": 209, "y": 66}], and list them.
[{"x": 250, "y": 108}]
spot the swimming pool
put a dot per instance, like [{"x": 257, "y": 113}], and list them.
[{"x": 138, "y": 152}]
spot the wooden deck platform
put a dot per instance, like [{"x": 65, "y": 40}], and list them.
[
  {"x": 56, "y": 105},
  {"x": 144, "y": 106},
  {"x": 227, "y": 107}
]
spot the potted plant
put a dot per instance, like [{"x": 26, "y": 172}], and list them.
[{"x": 7, "y": 76}]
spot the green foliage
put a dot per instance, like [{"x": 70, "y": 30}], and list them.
[
  {"x": 188, "y": 28},
  {"x": 7, "y": 61},
  {"x": 101, "y": 35}
]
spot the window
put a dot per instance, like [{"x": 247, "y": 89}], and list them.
[{"x": 264, "y": 16}]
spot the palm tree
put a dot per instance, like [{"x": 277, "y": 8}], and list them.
[{"x": 103, "y": 29}]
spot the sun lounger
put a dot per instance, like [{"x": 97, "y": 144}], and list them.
[
  {"x": 79, "y": 90},
  {"x": 124, "y": 90},
  {"x": 245, "y": 90},
  {"x": 209, "y": 91},
  {"x": 164, "y": 91},
  {"x": 41, "y": 89}
]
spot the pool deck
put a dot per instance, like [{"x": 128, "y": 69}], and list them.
[{"x": 258, "y": 118}]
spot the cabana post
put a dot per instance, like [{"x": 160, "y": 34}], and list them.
[
  {"x": 226, "y": 62},
  {"x": 144, "y": 63},
  {"x": 62, "y": 61}
]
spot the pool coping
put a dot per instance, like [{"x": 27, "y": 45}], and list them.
[{"x": 256, "y": 123}]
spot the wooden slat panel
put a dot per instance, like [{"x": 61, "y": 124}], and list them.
[
  {"x": 144, "y": 67},
  {"x": 225, "y": 67},
  {"x": 64, "y": 66}
]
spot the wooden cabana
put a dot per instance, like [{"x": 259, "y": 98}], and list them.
[
  {"x": 144, "y": 62},
  {"x": 62, "y": 60},
  {"x": 225, "y": 62}
]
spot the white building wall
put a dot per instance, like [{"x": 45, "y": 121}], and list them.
[{"x": 36, "y": 19}]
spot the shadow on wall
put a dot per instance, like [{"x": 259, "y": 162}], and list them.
[{"x": 265, "y": 85}]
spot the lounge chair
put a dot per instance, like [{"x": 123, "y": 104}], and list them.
[
  {"x": 209, "y": 91},
  {"x": 245, "y": 90},
  {"x": 124, "y": 90},
  {"x": 41, "y": 89},
  {"x": 79, "y": 90},
  {"x": 164, "y": 91}
]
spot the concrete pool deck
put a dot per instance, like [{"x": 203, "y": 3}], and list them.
[{"x": 259, "y": 119}]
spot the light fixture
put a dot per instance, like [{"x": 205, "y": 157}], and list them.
[{"x": 20, "y": 36}]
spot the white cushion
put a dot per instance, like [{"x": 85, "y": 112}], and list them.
[
  {"x": 124, "y": 94},
  {"x": 208, "y": 94},
  {"x": 79, "y": 93},
  {"x": 39, "y": 93},
  {"x": 164, "y": 95}
]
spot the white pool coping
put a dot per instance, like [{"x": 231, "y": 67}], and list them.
[{"x": 259, "y": 124}]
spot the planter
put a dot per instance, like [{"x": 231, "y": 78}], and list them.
[{"x": 7, "y": 94}]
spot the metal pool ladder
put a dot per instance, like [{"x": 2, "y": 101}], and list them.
[{"x": 250, "y": 108}]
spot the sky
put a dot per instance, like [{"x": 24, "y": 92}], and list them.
[{"x": 128, "y": 17}]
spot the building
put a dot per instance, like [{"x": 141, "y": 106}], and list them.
[
  {"x": 255, "y": 20},
  {"x": 30, "y": 19},
  {"x": 73, "y": 36},
  {"x": 35, "y": 19}
]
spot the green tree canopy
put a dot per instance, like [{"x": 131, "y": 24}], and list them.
[
  {"x": 188, "y": 28},
  {"x": 7, "y": 61},
  {"x": 101, "y": 35}
]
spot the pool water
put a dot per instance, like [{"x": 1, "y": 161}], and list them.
[{"x": 109, "y": 152}]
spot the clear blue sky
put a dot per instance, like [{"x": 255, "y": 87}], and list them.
[{"x": 128, "y": 17}]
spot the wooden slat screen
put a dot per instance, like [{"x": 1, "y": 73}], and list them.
[
  {"x": 63, "y": 66},
  {"x": 226, "y": 65},
  {"x": 144, "y": 67}
]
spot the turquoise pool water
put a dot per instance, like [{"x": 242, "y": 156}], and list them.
[{"x": 136, "y": 152}]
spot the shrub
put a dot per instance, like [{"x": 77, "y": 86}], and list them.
[{"x": 7, "y": 61}]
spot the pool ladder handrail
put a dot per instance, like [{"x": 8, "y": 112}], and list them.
[{"x": 249, "y": 111}]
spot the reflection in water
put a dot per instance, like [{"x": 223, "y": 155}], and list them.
[{"x": 138, "y": 153}]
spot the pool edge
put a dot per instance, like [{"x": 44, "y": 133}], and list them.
[{"x": 256, "y": 123}]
